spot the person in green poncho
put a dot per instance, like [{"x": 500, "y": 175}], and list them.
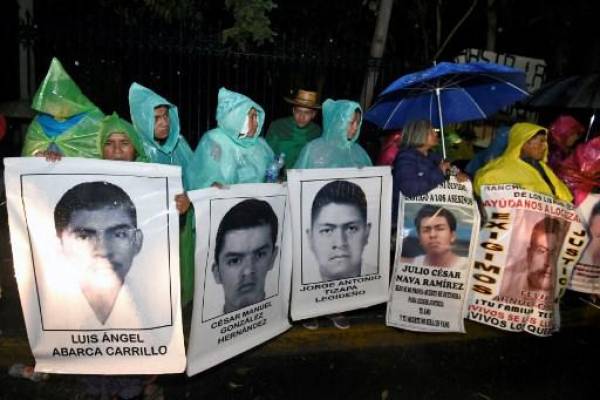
[
  {"x": 338, "y": 147},
  {"x": 119, "y": 141},
  {"x": 289, "y": 135},
  {"x": 68, "y": 122},
  {"x": 233, "y": 152},
  {"x": 157, "y": 122}
]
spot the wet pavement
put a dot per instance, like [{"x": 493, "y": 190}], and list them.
[{"x": 368, "y": 361}]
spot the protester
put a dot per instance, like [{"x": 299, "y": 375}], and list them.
[
  {"x": 232, "y": 152},
  {"x": 524, "y": 163},
  {"x": 417, "y": 169},
  {"x": 564, "y": 132},
  {"x": 497, "y": 147},
  {"x": 68, "y": 122},
  {"x": 337, "y": 148},
  {"x": 390, "y": 148},
  {"x": 157, "y": 122},
  {"x": 288, "y": 135},
  {"x": 581, "y": 170}
]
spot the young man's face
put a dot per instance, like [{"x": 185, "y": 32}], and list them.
[
  {"x": 337, "y": 238},
  {"x": 244, "y": 260},
  {"x": 252, "y": 122},
  {"x": 595, "y": 227},
  {"x": 542, "y": 255},
  {"x": 435, "y": 236},
  {"x": 118, "y": 147},
  {"x": 162, "y": 123},
  {"x": 103, "y": 242},
  {"x": 303, "y": 116}
]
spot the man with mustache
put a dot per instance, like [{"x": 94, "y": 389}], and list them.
[
  {"x": 245, "y": 251},
  {"x": 339, "y": 230}
]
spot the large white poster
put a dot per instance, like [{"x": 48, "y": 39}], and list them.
[
  {"x": 95, "y": 248},
  {"x": 586, "y": 274},
  {"x": 527, "y": 249},
  {"x": 341, "y": 228},
  {"x": 243, "y": 271},
  {"x": 436, "y": 239}
]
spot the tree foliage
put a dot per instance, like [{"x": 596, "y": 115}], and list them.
[{"x": 252, "y": 24}]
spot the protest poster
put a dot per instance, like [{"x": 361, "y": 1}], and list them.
[
  {"x": 527, "y": 249},
  {"x": 243, "y": 271},
  {"x": 435, "y": 243},
  {"x": 341, "y": 230},
  {"x": 95, "y": 249},
  {"x": 586, "y": 274}
]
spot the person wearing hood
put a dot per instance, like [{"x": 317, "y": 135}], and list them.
[
  {"x": 232, "y": 152},
  {"x": 68, "y": 122},
  {"x": 524, "y": 163},
  {"x": 289, "y": 135},
  {"x": 338, "y": 147},
  {"x": 564, "y": 132},
  {"x": 157, "y": 122},
  {"x": 119, "y": 141}
]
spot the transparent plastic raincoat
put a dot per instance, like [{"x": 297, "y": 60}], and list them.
[
  {"x": 225, "y": 155},
  {"x": 68, "y": 122},
  {"x": 114, "y": 124},
  {"x": 510, "y": 168},
  {"x": 333, "y": 149},
  {"x": 175, "y": 150}
]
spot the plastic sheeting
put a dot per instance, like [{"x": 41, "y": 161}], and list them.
[{"x": 581, "y": 170}]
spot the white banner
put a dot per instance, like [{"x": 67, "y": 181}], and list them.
[
  {"x": 96, "y": 255},
  {"x": 341, "y": 228},
  {"x": 527, "y": 249},
  {"x": 436, "y": 239},
  {"x": 243, "y": 271},
  {"x": 586, "y": 274}
]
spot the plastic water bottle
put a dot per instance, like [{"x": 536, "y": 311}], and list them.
[{"x": 272, "y": 174}]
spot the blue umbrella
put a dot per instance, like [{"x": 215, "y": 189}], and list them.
[{"x": 447, "y": 93}]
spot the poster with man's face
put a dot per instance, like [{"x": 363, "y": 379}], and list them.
[
  {"x": 341, "y": 246},
  {"x": 102, "y": 241},
  {"x": 243, "y": 267},
  {"x": 586, "y": 274}
]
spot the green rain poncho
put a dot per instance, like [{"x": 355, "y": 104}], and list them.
[
  {"x": 333, "y": 149},
  {"x": 224, "y": 155},
  {"x": 175, "y": 150},
  {"x": 284, "y": 136},
  {"x": 114, "y": 124},
  {"x": 68, "y": 121}
]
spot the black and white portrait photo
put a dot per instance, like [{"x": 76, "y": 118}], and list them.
[
  {"x": 100, "y": 251},
  {"x": 243, "y": 266},
  {"x": 341, "y": 229}
]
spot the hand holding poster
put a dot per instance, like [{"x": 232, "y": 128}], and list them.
[
  {"x": 95, "y": 248},
  {"x": 436, "y": 238},
  {"x": 527, "y": 250},
  {"x": 243, "y": 267},
  {"x": 586, "y": 274},
  {"x": 341, "y": 221}
]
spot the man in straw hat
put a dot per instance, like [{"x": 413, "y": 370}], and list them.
[{"x": 289, "y": 134}]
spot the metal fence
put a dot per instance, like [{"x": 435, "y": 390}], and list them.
[{"x": 105, "y": 55}]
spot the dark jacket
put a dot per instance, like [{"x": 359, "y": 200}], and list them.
[{"x": 415, "y": 174}]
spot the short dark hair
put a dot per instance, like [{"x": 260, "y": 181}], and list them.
[
  {"x": 91, "y": 196},
  {"x": 428, "y": 211},
  {"x": 547, "y": 225},
  {"x": 340, "y": 192},
  {"x": 595, "y": 211},
  {"x": 246, "y": 214}
]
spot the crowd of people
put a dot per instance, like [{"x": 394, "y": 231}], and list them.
[{"x": 68, "y": 124}]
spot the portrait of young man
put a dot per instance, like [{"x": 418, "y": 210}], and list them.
[
  {"x": 435, "y": 227},
  {"x": 532, "y": 276},
  {"x": 339, "y": 231},
  {"x": 96, "y": 223},
  {"x": 245, "y": 251}
]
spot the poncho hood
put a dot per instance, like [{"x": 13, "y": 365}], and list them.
[
  {"x": 113, "y": 124},
  {"x": 232, "y": 112},
  {"x": 59, "y": 96},
  {"x": 519, "y": 134},
  {"x": 337, "y": 115},
  {"x": 142, "y": 102}
]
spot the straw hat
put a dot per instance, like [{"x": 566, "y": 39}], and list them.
[{"x": 305, "y": 98}]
